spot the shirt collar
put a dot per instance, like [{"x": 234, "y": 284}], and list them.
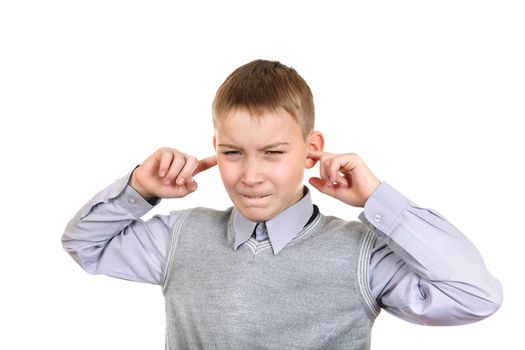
[{"x": 281, "y": 229}]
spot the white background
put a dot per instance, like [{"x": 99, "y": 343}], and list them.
[{"x": 429, "y": 94}]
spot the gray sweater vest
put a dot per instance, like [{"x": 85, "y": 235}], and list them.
[{"x": 313, "y": 295}]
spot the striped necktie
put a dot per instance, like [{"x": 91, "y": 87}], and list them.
[{"x": 260, "y": 233}]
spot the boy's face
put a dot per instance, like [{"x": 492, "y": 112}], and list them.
[{"x": 262, "y": 161}]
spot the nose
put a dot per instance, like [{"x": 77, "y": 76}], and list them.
[{"x": 252, "y": 174}]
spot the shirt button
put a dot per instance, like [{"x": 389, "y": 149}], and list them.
[
  {"x": 378, "y": 217},
  {"x": 132, "y": 201}
]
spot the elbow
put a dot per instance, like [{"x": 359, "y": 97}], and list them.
[
  {"x": 69, "y": 244},
  {"x": 483, "y": 305},
  {"x": 73, "y": 252},
  {"x": 68, "y": 236},
  {"x": 66, "y": 242},
  {"x": 76, "y": 250},
  {"x": 493, "y": 301},
  {"x": 450, "y": 308},
  {"x": 80, "y": 259}
]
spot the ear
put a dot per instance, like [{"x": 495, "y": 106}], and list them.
[
  {"x": 214, "y": 143},
  {"x": 314, "y": 142}
]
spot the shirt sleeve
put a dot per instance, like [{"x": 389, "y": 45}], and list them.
[
  {"x": 422, "y": 268},
  {"x": 107, "y": 236}
]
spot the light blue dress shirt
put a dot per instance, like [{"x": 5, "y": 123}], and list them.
[{"x": 422, "y": 268}]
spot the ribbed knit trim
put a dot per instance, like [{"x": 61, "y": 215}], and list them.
[
  {"x": 363, "y": 271},
  {"x": 174, "y": 239}
]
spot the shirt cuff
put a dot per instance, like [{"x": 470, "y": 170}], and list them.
[
  {"x": 384, "y": 207},
  {"x": 129, "y": 199},
  {"x": 134, "y": 203}
]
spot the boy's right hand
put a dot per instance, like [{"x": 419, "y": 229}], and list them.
[{"x": 168, "y": 173}]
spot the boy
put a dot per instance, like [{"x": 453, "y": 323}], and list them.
[{"x": 272, "y": 271}]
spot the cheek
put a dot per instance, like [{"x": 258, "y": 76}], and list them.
[
  {"x": 228, "y": 173},
  {"x": 287, "y": 171}
]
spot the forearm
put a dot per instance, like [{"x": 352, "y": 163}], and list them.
[
  {"x": 108, "y": 226},
  {"x": 431, "y": 301},
  {"x": 426, "y": 270}
]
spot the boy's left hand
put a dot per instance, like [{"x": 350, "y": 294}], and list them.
[{"x": 344, "y": 176}]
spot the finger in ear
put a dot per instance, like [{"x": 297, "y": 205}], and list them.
[{"x": 309, "y": 163}]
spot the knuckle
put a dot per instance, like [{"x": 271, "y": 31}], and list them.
[
  {"x": 192, "y": 160},
  {"x": 178, "y": 162}
]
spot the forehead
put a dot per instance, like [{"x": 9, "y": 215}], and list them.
[{"x": 240, "y": 126}]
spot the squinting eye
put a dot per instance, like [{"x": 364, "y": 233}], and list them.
[
  {"x": 275, "y": 152},
  {"x": 230, "y": 153}
]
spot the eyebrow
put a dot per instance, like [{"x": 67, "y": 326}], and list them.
[{"x": 273, "y": 145}]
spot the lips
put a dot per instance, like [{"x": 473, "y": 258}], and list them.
[{"x": 255, "y": 196}]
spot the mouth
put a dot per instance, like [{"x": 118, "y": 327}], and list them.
[{"x": 254, "y": 196}]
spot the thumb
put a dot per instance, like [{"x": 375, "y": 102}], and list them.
[
  {"x": 323, "y": 186},
  {"x": 192, "y": 187}
]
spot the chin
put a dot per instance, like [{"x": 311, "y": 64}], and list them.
[{"x": 254, "y": 214}]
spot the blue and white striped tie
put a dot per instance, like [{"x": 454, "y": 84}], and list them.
[{"x": 260, "y": 233}]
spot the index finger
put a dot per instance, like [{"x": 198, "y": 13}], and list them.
[
  {"x": 205, "y": 164},
  {"x": 315, "y": 154}
]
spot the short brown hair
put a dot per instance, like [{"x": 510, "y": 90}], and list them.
[{"x": 261, "y": 86}]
